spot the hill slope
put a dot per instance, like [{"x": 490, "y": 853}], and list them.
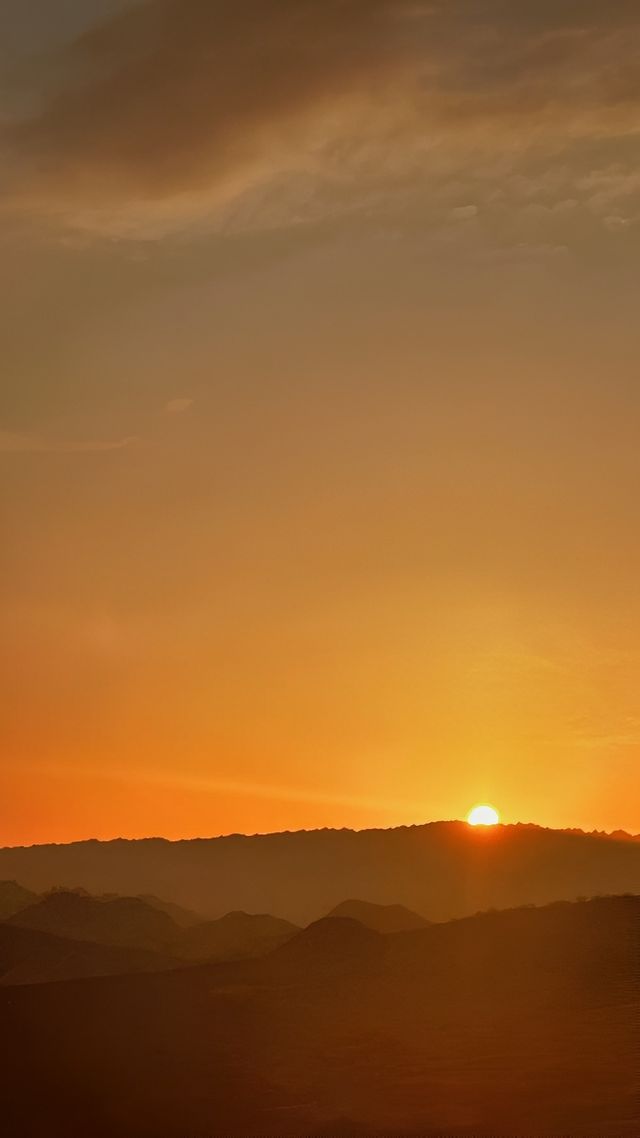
[
  {"x": 185, "y": 918},
  {"x": 382, "y": 918},
  {"x": 123, "y": 921},
  {"x": 513, "y": 1025},
  {"x": 31, "y": 957},
  {"x": 235, "y": 935},
  {"x": 443, "y": 870},
  {"x": 134, "y": 922},
  {"x": 14, "y": 898}
]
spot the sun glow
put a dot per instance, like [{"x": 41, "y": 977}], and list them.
[{"x": 483, "y": 816}]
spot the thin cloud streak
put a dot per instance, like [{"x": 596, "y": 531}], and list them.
[
  {"x": 178, "y": 406},
  {"x": 249, "y": 789},
  {"x": 16, "y": 443}
]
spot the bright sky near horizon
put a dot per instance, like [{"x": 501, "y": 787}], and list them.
[{"x": 319, "y": 414}]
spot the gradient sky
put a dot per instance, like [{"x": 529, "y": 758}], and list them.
[{"x": 319, "y": 414}]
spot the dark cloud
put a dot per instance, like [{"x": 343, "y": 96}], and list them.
[
  {"x": 176, "y": 96},
  {"x": 183, "y": 91}
]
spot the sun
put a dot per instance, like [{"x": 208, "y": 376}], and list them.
[{"x": 483, "y": 815}]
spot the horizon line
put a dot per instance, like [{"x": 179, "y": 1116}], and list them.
[{"x": 612, "y": 835}]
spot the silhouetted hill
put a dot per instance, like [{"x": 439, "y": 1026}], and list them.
[
  {"x": 185, "y": 918},
  {"x": 327, "y": 946},
  {"x": 124, "y": 921},
  {"x": 521, "y": 1024},
  {"x": 14, "y": 898},
  {"x": 442, "y": 870},
  {"x": 137, "y": 923},
  {"x": 235, "y": 935},
  {"x": 31, "y": 957},
  {"x": 382, "y": 918}
]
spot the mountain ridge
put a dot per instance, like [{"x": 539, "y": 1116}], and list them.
[
  {"x": 381, "y": 918},
  {"x": 133, "y": 922},
  {"x": 441, "y": 870},
  {"x": 611, "y": 835}
]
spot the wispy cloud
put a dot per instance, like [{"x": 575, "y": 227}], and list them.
[
  {"x": 606, "y": 742},
  {"x": 212, "y": 784},
  {"x": 16, "y": 443},
  {"x": 499, "y": 663},
  {"x": 178, "y": 406},
  {"x": 597, "y": 734},
  {"x": 184, "y": 108}
]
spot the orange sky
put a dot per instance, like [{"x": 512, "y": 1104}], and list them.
[{"x": 318, "y": 429}]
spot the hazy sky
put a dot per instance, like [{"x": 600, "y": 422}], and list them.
[{"x": 319, "y": 415}]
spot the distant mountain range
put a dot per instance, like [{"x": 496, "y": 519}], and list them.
[
  {"x": 146, "y": 924},
  {"x": 524, "y": 1022},
  {"x": 126, "y": 922},
  {"x": 440, "y": 870}
]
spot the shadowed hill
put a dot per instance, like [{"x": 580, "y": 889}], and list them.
[
  {"x": 123, "y": 921},
  {"x": 585, "y": 949},
  {"x": 31, "y": 957},
  {"x": 135, "y": 923},
  {"x": 182, "y": 917},
  {"x": 382, "y": 918},
  {"x": 443, "y": 870},
  {"x": 235, "y": 935},
  {"x": 14, "y": 898},
  {"x": 185, "y": 918},
  {"x": 329, "y": 946},
  {"x": 513, "y": 1025}
]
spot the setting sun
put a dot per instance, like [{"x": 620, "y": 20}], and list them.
[{"x": 483, "y": 816}]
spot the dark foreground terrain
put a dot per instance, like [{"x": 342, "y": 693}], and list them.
[{"x": 516, "y": 1023}]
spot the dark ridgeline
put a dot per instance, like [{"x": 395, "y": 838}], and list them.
[
  {"x": 141, "y": 924},
  {"x": 382, "y": 918},
  {"x": 441, "y": 870},
  {"x": 14, "y": 898},
  {"x": 185, "y": 918},
  {"x": 235, "y": 935},
  {"x": 520, "y": 1023},
  {"x": 127, "y": 922}
]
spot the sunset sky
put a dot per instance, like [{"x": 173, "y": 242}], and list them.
[{"x": 319, "y": 414}]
